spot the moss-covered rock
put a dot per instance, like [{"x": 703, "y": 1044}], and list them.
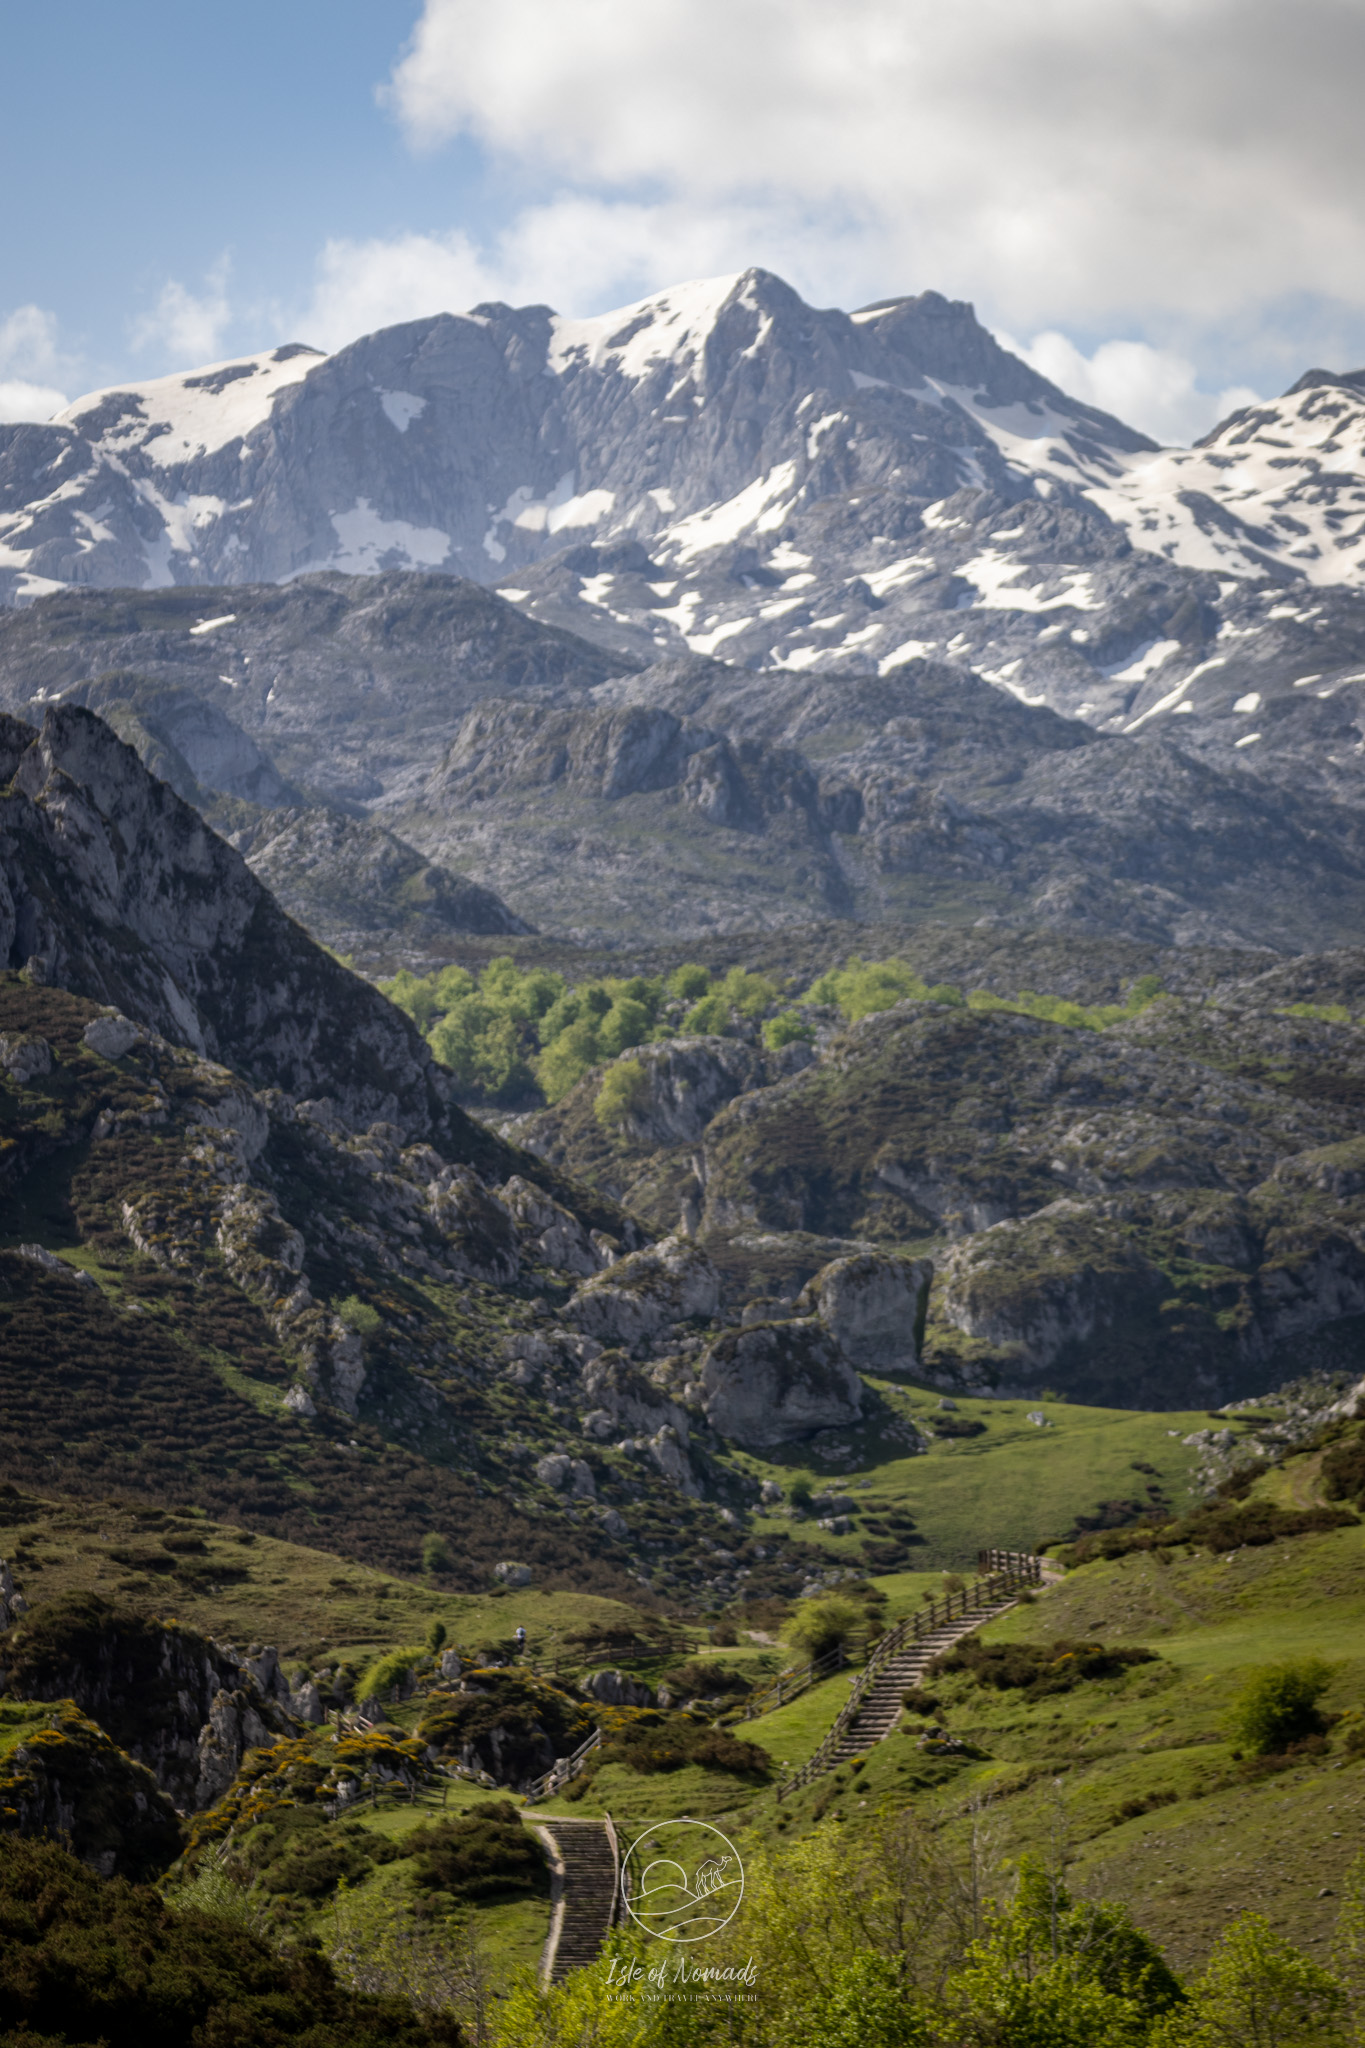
[
  {"x": 64, "y": 1778},
  {"x": 776, "y": 1382}
]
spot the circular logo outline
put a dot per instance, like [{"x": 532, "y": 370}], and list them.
[{"x": 707, "y": 1879}]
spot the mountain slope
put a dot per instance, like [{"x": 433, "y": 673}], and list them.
[{"x": 723, "y": 470}]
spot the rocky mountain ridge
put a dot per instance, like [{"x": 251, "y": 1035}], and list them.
[
  {"x": 725, "y": 470},
  {"x": 473, "y": 771}
]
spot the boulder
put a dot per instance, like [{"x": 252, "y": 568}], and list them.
[
  {"x": 643, "y": 1295},
  {"x": 614, "y": 1689},
  {"x": 512, "y": 1574},
  {"x": 112, "y": 1036},
  {"x": 628, "y": 1400},
  {"x": 777, "y": 1382},
  {"x": 306, "y": 1704},
  {"x": 50, "y": 1263},
  {"x": 25, "y": 1059},
  {"x": 614, "y": 1523},
  {"x": 549, "y": 1234},
  {"x": 770, "y": 1493},
  {"x": 874, "y": 1307}
]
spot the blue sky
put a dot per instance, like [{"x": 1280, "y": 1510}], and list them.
[{"x": 1155, "y": 200}]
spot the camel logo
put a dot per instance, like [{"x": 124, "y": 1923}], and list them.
[{"x": 682, "y": 1880}]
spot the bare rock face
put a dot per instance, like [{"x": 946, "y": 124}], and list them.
[
  {"x": 1044, "y": 1287},
  {"x": 874, "y": 1307},
  {"x": 687, "y": 1080},
  {"x": 625, "y": 1400},
  {"x": 776, "y": 1382},
  {"x": 24, "y": 1059},
  {"x": 615, "y": 1689},
  {"x": 113, "y": 886},
  {"x": 647, "y": 1293},
  {"x": 345, "y": 880},
  {"x": 182, "y": 1705},
  {"x": 549, "y": 1232}
]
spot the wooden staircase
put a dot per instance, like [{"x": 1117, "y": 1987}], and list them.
[
  {"x": 880, "y": 1706},
  {"x": 898, "y": 1660},
  {"x": 585, "y": 1862}
]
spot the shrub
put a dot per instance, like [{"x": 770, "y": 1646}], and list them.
[
  {"x": 787, "y": 1028},
  {"x": 485, "y": 1852},
  {"x": 669, "y": 1742},
  {"x": 85, "y": 1961},
  {"x": 1037, "y": 1669},
  {"x": 702, "y": 1679},
  {"x": 819, "y": 1626},
  {"x": 1343, "y": 1469},
  {"x": 1278, "y": 1705},
  {"x": 359, "y": 1316},
  {"x": 390, "y": 1670},
  {"x": 624, "y": 1093},
  {"x": 689, "y": 981},
  {"x": 800, "y": 1495},
  {"x": 1219, "y": 1526},
  {"x": 437, "y": 1557},
  {"x": 436, "y": 1635}
]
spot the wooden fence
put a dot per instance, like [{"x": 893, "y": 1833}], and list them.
[{"x": 990, "y": 1589}]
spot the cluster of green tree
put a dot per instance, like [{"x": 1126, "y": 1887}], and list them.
[
  {"x": 510, "y": 1033},
  {"x": 878, "y": 1939},
  {"x": 862, "y": 987}
]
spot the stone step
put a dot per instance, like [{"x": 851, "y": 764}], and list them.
[{"x": 586, "y": 1907}]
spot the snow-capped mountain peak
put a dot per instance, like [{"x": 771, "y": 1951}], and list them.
[
  {"x": 173, "y": 420},
  {"x": 1276, "y": 490},
  {"x": 672, "y": 326}
]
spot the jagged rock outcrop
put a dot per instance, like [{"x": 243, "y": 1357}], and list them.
[
  {"x": 615, "y": 1689},
  {"x": 623, "y": 1400},
  {"x": 347, "y": 880},
  {"x": 776, "y": 1382},
  {"x": 183, "y": 1706},
  {"x": 114, "y": 887},
  {"x": 548, "y": 1232},
  {"x": 646, "y": 1294},
  {"x": 65, "y": 1779},
  {"x": 686, "y": 1080},
  {"x": 874, "y": 1307}
]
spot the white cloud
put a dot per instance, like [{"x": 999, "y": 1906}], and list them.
[
  {"x": 576, "y": 253},
  {"x": 1153, "y": 389},
  {"x": 1060, "y": 161},
  {"x": 185, "y": 326},
  {"x": 20, "y": 400},
  {"x": 29, "y": 359}
]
